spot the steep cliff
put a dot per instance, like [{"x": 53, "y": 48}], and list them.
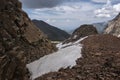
[
  {"x": 113, "y": 26},
  {"x": 21, "y": 41}
]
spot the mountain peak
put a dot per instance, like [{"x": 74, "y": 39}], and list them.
[
  {"x": 53, "y": 33},
  {"x": 82, "y": 31}
]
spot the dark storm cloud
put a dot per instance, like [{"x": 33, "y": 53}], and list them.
[
  {"x": 41, "y": 3},
  {"x": 44, "y": 3}
]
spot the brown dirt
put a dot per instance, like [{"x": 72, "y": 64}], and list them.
[{"x": 100, "y": 61}]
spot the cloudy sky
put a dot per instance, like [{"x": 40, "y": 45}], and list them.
[{"x": 70, "y": 14}]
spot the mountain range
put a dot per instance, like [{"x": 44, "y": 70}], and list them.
[{"x": 53, "y": 33}]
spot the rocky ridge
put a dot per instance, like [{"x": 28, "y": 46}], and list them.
[
  {"x": 113, "y": 26},
  {"x": 21, "y": 42}
]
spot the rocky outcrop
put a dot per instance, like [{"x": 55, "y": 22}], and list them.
[
  {"x": 53, "y": 33},
  {"x": 21, "y": 41},
  {"x": 82, "y": 31},
  {"x": 12, "y": 68},
  {"x": 100, "y": 61},
  {"x": 113, "y": 26}
]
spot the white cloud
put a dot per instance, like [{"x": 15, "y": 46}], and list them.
[
  {"x": 51, "y": 20},
  {"x": 108, "y": 10},
  {"x": 103, "y": 15},
  {"x": 100, "y": 1},
  {"x": 67, "y": 20},
  {"x": 48, "y": 20},
  {"x": 103, "y": 12},
  {"x": 68, "y": 16},
  {"x": 117, "y": 7},
  {"x": 65, "y": 8}
]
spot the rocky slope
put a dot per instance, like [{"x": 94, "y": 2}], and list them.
[
  {"x": 21, "y": 41},
  {"x": 100, "y": 61},
  {"x": 82, "y": 31},
  {"x": 113, "y": 26},
  {"x": 100, "y": 58},
  {"x": 52, "y": 32}
]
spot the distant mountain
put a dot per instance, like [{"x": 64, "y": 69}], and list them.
[
  {"x": 82, "y": 31},
  {"x": 100, "y": 26},
  {"x": 53, "y": 33}
]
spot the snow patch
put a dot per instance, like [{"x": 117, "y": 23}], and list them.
[
  {"x": 61, "y": 45},
  {"x": 63, "y": 58},
  {"x": 50, "y": 63},
  {"x": 117, "y": 7}
]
